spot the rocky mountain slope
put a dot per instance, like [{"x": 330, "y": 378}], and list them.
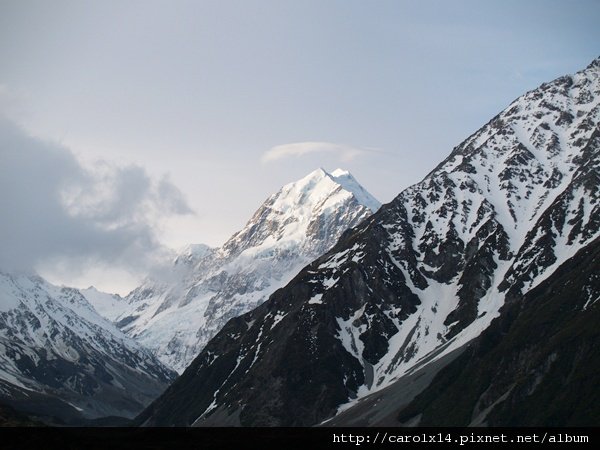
[
  {"x": 176, "y": 316},
  {"x": 536, "y": 364},
  {"x": 416, "y": 281},
  {"x": 60, "y": 358}
]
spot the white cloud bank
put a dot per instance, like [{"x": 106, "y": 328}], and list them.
[{"x": 60, "y": 214}]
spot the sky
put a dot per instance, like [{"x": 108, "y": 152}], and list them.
[{"x": 128, "y": 128}]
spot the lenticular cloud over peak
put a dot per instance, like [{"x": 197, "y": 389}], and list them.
[{"x": 297, "y": 149}]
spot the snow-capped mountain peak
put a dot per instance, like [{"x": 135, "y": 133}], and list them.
[
  {"x": 298, "y": 213},
  {"x": 209, "y": 286},
  {"x": 293, "y": 226}
]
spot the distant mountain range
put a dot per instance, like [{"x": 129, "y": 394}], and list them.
[
  {"x": 471, "y": 298},
  {"x": 61, "y": 361}
]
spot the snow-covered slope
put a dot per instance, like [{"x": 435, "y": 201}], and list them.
[
  {"x": 421, "y": 277},
  {"x": 175, "y": 317},
  {"x": 109, "y": 306},
  {"x": 53, "y": 342}
]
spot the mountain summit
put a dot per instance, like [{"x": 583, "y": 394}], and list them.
[
  {"x": 207, "y": 287},
  {"x": 306, "y": 215},
  {"x": 412, "y": 286}
]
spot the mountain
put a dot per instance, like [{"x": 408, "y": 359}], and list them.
[
  {"x": 406, "y": 291},
  {"x": 59, "y": 358},
  {"x": 178, "y": 314}
]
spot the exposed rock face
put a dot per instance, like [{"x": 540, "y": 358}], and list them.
[
  {"x": 207, "y": 287},
  {"x": 55, "y": 348},
  {"x": 419, "y": 279}
]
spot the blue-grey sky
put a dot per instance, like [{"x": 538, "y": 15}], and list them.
[{"x": 206, "y": 97}]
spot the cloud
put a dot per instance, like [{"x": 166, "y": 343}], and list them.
[
  {"x": 12, "y": 102},
  {"x": 345, "y": 152},
  {"x": 57, "y": 211}
]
